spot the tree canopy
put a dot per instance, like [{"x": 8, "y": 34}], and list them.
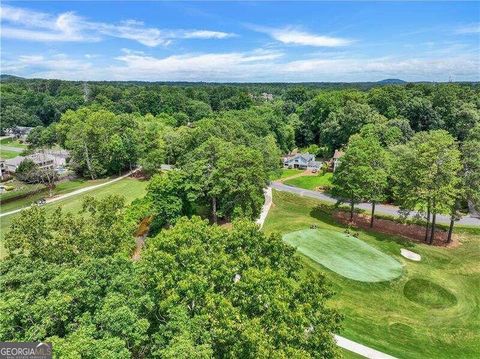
[{"x": 197, "y": 291}]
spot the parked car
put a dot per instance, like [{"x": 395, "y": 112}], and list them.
[{"x": 42, "y": 201}]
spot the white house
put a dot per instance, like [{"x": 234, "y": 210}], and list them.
[{"x": 303, "y": 161}]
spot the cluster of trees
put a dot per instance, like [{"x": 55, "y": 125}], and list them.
[
  {"x": 429, "y": 174},
  {"x": 198, "y": 291},
  {"x": 331, "y": 117},
  {"x": 42, "y": 102},
  {"x": 224, "y": 160}
]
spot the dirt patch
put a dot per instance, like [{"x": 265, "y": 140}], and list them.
[
  {"x": 143, "y": 227},
  {"x": 409, "y": 231},
  {"x": 140, "y": 234},
  {"x": 138, "y": 174},
  {"x": 139, "y": 243}
]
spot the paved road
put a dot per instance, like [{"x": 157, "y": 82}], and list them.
[
  {"x": 74, "y": 193},
  {"x": 379, "y": 208},
  {"x": 360, "y": 348},
  {"x": 266, "y": 206},
  {"x": 10, "y": 148}
]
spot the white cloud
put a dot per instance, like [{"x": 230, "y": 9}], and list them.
[
  {"x": 258, "y": 65},
  {"x": 59, "y": 66},
  {"x": 29, "y": 25},
  {"x": 292, "y": 36},
  {"x": 206, "y": 34},
  {"x": 196, "y": 67},
  {"x": 469, "y": 29}
]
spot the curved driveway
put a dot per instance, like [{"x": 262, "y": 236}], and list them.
[{"x": 379, "y": 208}]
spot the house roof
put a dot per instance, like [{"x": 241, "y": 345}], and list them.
[
  {"x": 316, "y": 164},
  {"x": 36, "y": 158},
  {"x": 306, "y": 157}
]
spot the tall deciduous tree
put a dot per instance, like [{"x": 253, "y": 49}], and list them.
[
  {"x": 168, "y": 197},
  {"x": 201, "y": 277},
  {"x": 362, "y": 173},
  {"x": 99, "y": 141},
  {"x": 426, "y": 175},
  {"x": 470, "y": 177},
  {"x": 229, "y": 179}
]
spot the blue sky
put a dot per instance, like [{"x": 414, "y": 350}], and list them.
[{"x": 242, "y": 41}]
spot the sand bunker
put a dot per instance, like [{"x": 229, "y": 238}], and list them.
[{"x": 410, "y": 255}]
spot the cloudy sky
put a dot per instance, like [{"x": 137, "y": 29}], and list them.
[{"x": 241, "y": 42}]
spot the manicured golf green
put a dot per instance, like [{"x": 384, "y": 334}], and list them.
[{"x": 345, "y": 255}]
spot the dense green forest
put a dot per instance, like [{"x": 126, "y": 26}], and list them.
[
  {"x": 227, "y": 140},
  {"x": 201, "y": 290}
]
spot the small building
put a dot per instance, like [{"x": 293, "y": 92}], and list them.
[
  {"x": 336, "y": 159},
  {"x": 52, "y": 160},
  {"x": 303, "y": 161},
  {"x": 19, "y": 132}
]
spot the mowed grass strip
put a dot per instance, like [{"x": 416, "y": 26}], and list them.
[
  {"x": 7, "y": 154},
  {"x": 11, "y": 142},
  {"x": 311, "y": 182},
  {"x": 344, "y": 254}
]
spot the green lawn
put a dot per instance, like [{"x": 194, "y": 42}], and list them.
[
  {"x": 311, "y": 182},
  {"x": 432, "y": 311},
  {"x": 345, "y": 254},
  {"x": 284, "y": 173},
  {"x": 127, "y": 187},
  {"x": 7, "y": 154},
  {"x": 346, "y": 354},
  {"x": 12, "y": 143}
]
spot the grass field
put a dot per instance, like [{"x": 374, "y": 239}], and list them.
[
  {"x": 7, "y": 154},
  {"x": 432, "y": 311},
  {"x": 12, "y": 143},
  {"x": 286, "y": 172},
  {"x": 127, "y": 187},
  {"x": 346, "y": 354},
  {"x": 344, "y": 254},
  {"x": 311, "y": 182}
]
